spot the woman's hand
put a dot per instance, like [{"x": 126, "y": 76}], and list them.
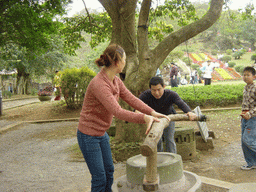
[
  {"x": 149, "y": 121},
  {"x": 159, "y": 115},
  {"x": 192, "y": 116}
]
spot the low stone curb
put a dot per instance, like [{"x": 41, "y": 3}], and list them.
[
  {"x": 215, "y": 109},
  {"x": 15, "y": 99},
  {"x": 209, "y": 184},
  {"x": 15, "y": 125},
  {"x": 10, "y": 127}
]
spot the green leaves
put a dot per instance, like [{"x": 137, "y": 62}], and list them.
[
  {"x": 180, "y": 10},
  {"x": 74, "y": 83},
  {"x": 29, "y": 23},
  {"x": 99, "y": 25},
  {"x": 213, "y": 95}
]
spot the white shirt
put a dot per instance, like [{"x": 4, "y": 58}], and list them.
[{"x": 207, "y": 71}]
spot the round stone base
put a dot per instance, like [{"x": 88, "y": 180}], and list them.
[{"x": 189, "y": 182}]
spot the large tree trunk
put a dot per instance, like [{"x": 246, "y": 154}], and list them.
[{"x": 142, "y": 62}]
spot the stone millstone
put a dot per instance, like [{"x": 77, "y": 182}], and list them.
[{"x": 169, "y": 168}]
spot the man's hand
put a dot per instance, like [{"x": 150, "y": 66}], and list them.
[{"x": 192, "y": 116}]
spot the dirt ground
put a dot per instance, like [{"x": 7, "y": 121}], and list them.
[{"x": 223, "y": 162}]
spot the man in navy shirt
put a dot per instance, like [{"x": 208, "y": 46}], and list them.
[{"x": 162, "y": 100}]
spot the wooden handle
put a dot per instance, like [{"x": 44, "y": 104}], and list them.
[{"x": 156, "y": 131}]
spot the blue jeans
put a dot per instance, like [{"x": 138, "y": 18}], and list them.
[
  {"x": 249, "y": 140},
  {"x": 168, "y": 135},
  {"x": 97, "y": 155}
]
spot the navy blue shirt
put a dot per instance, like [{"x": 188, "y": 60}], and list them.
[{"x": 164, "y": 105}]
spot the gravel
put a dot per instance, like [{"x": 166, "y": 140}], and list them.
[{"x": 28, "y": 163}]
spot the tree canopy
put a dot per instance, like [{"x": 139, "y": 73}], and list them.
[{"x": 28, "y": 23}]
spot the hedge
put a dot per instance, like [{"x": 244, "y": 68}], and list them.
[
  {"x": 212, "y": 95},
  {"x": 74, "y": 83}
]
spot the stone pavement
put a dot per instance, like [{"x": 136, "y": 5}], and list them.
[
  {"x": 31, "y": 163},
  {"x": 7, "y": 104},
  {"x": 12, "y": 103},
  {"x": 28, "y": 163}
]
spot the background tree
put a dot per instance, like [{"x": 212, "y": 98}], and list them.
[
  {"x": 248, "y": 31},
  {"x": 133, "y": 36},
  {"x": 28, "y": 23},
  {"x": 29, "y": 63}
]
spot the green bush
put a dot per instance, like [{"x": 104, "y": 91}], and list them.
[
  {"x": 253, "y": 58},
  {"x": 187, "y": 61},
  {"x": 243, "y": 50},
  {"x": 237, "y": 54},
  {"x": 239, "y": 68},
  {"x": 231, "y": 64},
  {"x": 214, "y": 52},
  {"x": 6, "y": 94},
  {"x": 195, "y": 66},
  {"x": 34, "y": 91},
  {"x": 229, "y": 51},
  {"x": 226, "y": 58},
  {"x": 74, "y": 83},
  {"x": 213, "y": 95}
]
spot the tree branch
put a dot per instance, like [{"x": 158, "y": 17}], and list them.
[
  {"x": 187, "y": 32},
  {"x": 143, "y": 28}
]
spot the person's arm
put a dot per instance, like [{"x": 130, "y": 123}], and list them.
[
  {"x": 133, "y": 101},
  {"x": 104, "y": 94},
  {"x": 182, "y": 105},
  {"x": 179, "y": 102}
]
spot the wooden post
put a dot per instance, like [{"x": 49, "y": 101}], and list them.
[
  {"x": 149, "y": 149},
  {"x": 151, "y": 168},
  {"x": 156, "y": 132}
]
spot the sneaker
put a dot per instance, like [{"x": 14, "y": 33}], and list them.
[{"x": 246, "y": 167}]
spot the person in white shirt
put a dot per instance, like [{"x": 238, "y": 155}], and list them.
[{"x": 207, "y": 73}]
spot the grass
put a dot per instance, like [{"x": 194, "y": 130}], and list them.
[{"x": 245, "y": 60}]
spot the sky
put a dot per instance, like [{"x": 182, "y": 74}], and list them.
[{"x": 78, "y": 5}]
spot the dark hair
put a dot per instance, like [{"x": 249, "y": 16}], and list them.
[
  {"x": 156, "y": 81},
  {"x": 249, "y": 69},
  {"x": 112, "y": 54}
]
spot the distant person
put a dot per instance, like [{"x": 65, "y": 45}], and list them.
[
  {"x": 162, "y": 100},
  {"x": 178, "y": 77},
  {"x": 192, "y": 77},
  {"x": 174, "y": 75},
  {"x": 158, "y": 73},
  {"x": 248, "y": 123},
  {"x": 57, "y": 88},
  {"x": 184, "y": 81},
  {"x": 196, "y": 77},
  {"x": 207, "y": 73},
  {"x": 99, "y": 107}
]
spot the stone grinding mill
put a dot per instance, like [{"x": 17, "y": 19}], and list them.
[{"x": 158, "y": 171}]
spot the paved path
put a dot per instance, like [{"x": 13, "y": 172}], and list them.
[
  {"x": 30, "y": 163},
  {"x": 7, "y": 104}
]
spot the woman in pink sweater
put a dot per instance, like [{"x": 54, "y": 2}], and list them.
[{"x": 99, "y": 107}]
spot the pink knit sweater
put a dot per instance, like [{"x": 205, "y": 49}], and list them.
[{"x": 101, "y": 103}]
